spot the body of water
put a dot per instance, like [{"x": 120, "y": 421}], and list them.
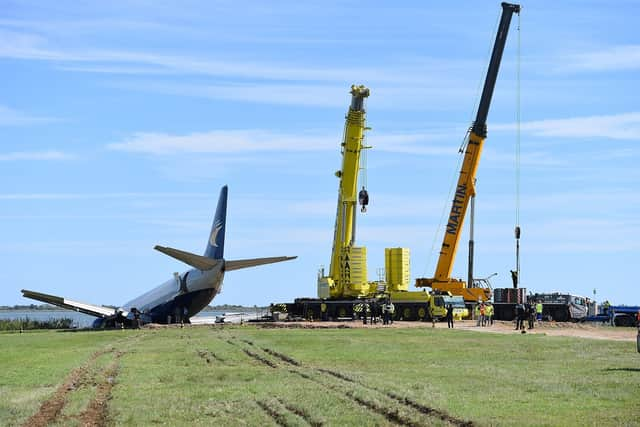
[{"x": 80, "y": 320}]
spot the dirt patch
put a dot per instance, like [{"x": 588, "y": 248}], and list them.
[
  {"x": 307, "y": 325},
  {"x": 564, "y": 329},
  {"x": 568, "y": 329}
]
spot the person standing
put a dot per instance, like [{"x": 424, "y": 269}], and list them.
[
  {"x": 483, "y": 314},
  {"x": 385, "y": 313},
  {"x": 449, "y": 316},
  {"x": 519, "y": 316},
  {"x": 489, "y": 313},
  {"x": 476, "y": 313},
  {"x": 539, "y": 311},
  {"x": 531, "y": 315}
]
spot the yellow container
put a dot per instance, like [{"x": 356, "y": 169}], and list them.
[
  {"x": 354, "y": 270},
  {"x": 397, "y": 271}
]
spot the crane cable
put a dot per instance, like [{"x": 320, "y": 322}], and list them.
[{"x": 517, "y": 157}]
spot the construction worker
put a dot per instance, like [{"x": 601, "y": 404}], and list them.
[
  {"x": 449, "y": 316},
  {"x": 531, "y": 315},
  {"x": 539, "y": 311},
  {"x": 385, "y": 313},
  {"x": 605, "y": 307},
  {"x": 489, "y": 314},
  {"x": 519, "y": 316},
  {"x": 476, "y": 314},
  {"x": 483, "y": 314}
]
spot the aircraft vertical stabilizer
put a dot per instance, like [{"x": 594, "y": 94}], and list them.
[{"x": 215, "y": 245}]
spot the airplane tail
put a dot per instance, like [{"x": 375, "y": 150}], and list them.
[
  {"x": 215, "y": 245},
  {"x": 214, "y": 252}
]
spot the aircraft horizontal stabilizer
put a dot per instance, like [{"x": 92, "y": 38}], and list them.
[
  {"x": 246, "y": 263},
  {"x": 90, "y": 309},
  {"x": 197, "y": 261}
]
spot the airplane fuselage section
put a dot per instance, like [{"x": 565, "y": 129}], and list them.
[{"x": 180, "y": 297}]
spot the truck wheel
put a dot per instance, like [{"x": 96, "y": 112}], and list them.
[
  {"x": 342, "y": 312},
  {"x": 311, "y": 315},
  {"x": 623, "y": 321},
  {"x": 422, "y": 313},
  {"x": 561, "y": 315}
]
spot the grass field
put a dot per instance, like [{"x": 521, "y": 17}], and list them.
[{"x": 253, "y": 376}]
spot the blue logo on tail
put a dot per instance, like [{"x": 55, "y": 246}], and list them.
[{"x": 215, "y": 245}]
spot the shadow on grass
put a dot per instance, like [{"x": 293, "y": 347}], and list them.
[{"x": 623, "y": 369}]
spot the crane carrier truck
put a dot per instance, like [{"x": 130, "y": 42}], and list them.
[
  {"x": 344, "y": 292},
  {"x": 465, "y": 189}
]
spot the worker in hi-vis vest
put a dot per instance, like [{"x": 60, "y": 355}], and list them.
[{"x": 539, "y": 311}]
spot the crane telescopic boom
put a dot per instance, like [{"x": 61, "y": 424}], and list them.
[
  {"x": 347, "y": 271},
  {"x": 465, "y": 187}
]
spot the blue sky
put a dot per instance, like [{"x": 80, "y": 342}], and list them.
[{"x": 120, "y": 121}]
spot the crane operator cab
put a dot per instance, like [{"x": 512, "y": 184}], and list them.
[{"x": 363, "y": 198}]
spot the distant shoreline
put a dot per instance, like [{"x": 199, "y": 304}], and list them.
[{"x": 47, "y": 307}]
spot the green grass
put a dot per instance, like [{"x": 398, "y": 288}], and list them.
[
  {"x": 34, "y": 363},
  {"x": 489, "y": 379}
]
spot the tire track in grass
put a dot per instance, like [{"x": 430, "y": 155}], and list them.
[
  {"x": 390, "y": 415},
  {"x": 260, "y": 358},
  {"x": 302, "y": 413},
  {"x": 51, "y": 408},
  {"x": 96, "y": 413},
  {"x": 208, "y": 355},
  {"x": 430, "y": 411},
  {"x": 277, "y": 416},
  {"x": 282, "y": 357}
]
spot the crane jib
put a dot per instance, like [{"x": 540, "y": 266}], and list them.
[{"x": 457, "y": 209}]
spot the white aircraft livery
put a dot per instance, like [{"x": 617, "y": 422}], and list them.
[{"x": 179, "y": 298}]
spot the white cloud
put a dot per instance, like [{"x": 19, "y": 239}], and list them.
[
  {"x": 11, "y": 117},
  {"x": 26, "y": 46},
  {"x": 625, "y": 57},
  {"x": 35, "y": 155},
  {"x": 230, "y": 141},
  {"x": 257, "y": 140},
  {"x": 89, "y": 196},
  {"x": 624, "y": 126}
]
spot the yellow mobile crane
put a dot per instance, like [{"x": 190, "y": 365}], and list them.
[
  {"x": 345, "y": 291},
  {"x": 465, "y": 189},
  {"x": 348, "y": 269}
]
